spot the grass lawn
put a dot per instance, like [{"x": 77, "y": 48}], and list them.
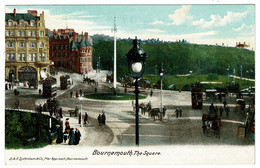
[
  {"x": 184, "y": 82},
  {"x": 111, "y": 96}
]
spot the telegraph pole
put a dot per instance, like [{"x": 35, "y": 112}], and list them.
[{"x": 114, "y": 30}]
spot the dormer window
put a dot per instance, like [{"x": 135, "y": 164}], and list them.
[
  {"x": 10, "y": 23},
  {"x": 21, "y": 23},
  {"x": 32, "y": 23}
]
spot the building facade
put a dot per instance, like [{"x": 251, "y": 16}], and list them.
[
  {"x": 69, "y": 50},
  {"x": 26, "y": 46}
]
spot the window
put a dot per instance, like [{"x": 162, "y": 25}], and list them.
[
  {"x": 13, "y": 56},
  {"x": 9, "y": 58},
  {"x": 19, "y": 33},
  {"x": 42, "y": 57},
  {"x": 58, "y": 54},
  {"x": 7, "y": 33},
  {"x": 24, "y": 57},
  {"x": 62, "y": 47},
  {"x": 41, "y": 44},
  {"x": 67, "y": 47},
  {"x": 30, "y": 33},
  {"x": 19, "y": 57},
  {"x": 10, "y": 44},
  {"x": 53, "y": 55},
  {"x": 32, "y": 45},
  {"x": 53, "y": 47},
  {"x": 41, "y": 24},
  {"x": 62, "y": 54},
  {"x": 23, "y": 33},
  {"x": 82, "y": 59},
  {"x": 10, "y": 23},
  {"x": 41, "y": 33},
  {"x": 32, "y": 23},
  {"x": 34, "y": 33},
  {"x": 32, "y": 56},
  {"x": 22, "y": 44},
  {"x": 12, "y": 33},
  {"x": 58, "y": 47},
  {"x": 21, "y": 24},
  {"x": 66, "y": 54}
]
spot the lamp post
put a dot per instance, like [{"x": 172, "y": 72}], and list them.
[
  {"x": 136, "y": 66},
  {"x": 161, "y": 73},
  {"x": 228, "y": 73},
  {"x": 80, "y": 98}
]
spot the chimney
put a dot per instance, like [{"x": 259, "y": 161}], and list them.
[
  {"x": 86, "y": 35},
  {"x": 33, "y": 12},
  {"x": 14, "y": 12}
]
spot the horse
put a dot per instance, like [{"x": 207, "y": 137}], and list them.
[{"x": 155, "y": 112}]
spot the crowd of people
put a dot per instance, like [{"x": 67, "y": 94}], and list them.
[{"x": 72, "y": 135}]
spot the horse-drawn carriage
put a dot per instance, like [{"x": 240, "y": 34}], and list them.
[
  {"x": 89, "y": 81},
  {"x": 211, "y": 122}
]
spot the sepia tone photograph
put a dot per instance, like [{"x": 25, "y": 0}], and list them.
[{"x": 129, "y": 84}]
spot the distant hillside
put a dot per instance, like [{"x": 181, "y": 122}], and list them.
[{"x": 178, "y": 58}]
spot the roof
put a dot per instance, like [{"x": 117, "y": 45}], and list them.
[
  {"x": 82, "y": 43},
  {"x": 19, "y": 16}
]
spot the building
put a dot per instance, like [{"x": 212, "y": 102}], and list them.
[
  {"x": 70, "y": 50},
  {"x": 244, "y": 45},
  {"x": 26, "y": 46}
]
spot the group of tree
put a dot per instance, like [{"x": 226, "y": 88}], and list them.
[{"x": 178, "y": 58}]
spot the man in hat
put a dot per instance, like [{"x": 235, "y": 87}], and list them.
[{"x": 67, "y": 125}]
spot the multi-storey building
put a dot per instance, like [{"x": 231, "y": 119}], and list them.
[
  {"x": 26, "y": 46},
  {"x": 70, "y": 50}
]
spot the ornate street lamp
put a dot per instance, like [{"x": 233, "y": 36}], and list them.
[
  {"x": 161, "y": 73},
  {"x": 136, "y": 66}
]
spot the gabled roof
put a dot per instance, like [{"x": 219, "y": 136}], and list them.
[{"x": 19, "y": 16}]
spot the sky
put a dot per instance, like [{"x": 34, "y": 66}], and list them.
[{"x": 202, "y": 24}]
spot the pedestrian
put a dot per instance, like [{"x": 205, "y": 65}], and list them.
[
  {"x": 77, "y": 94},
  {"x": 80, "y": 92},
  {"x": 103, "y": 118},
  {"x": 151, "y": 93},
  {"x": 40, "y": 109},
  {"x": 77, "y": 136},
  {"x": 49, "y": 136},
  {"x": 17, "y": 104},
  {"x": 80, "y": 118},
  {"x": 76, "y": 111},
  {"x": 10, "y": 86},
  {"x": 71, "y": 93},
  {"x": 177, "y": 112},
  {"x": 164, "y": 111},
  {"x": 227, "y": 111},
  {"x": 99, "y": 119},
  {"x": 221, "y": 111},
  {"x": 67, "y": 125},
  {"x": 6, "y": 86},
  {"x": 59, "y": 134},
  {"x": 86, "y": 118},
  {"x": 180, "y": 110},
  {"x": 60, "y": 112},
  {"x": 225, "y": 103},
  {"x": 125, "y": 90},
  {"x": 71, "y": 136},
  {"x": 211, "y": 108},
  {"x": 40, "y": 91},
  {"x": 95, "y": 90},
  {"x": 204, "y": 127}
]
